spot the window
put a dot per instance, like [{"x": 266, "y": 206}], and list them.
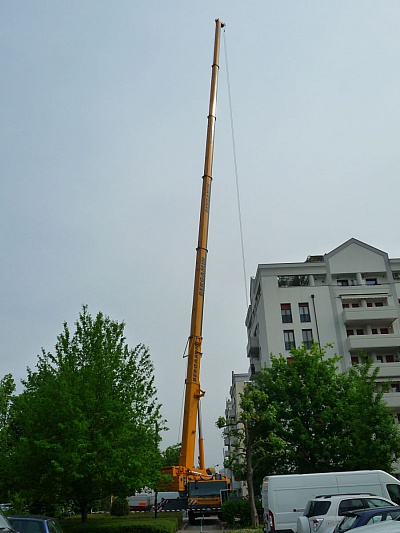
[
  {"x": 304, "y": 311},
  {"x": 371, "y": 281},
  {"x": 343, "y": 282},
  {"x": 355, "y": 305},
  {"x": 350, "y": 332},
  {"x": 307, "y": 337},
  {"x": 288, "y": 336},
  {"x": 378, "y": 304},
  {"x": 360, "y": 332},
  {"x": 384, "y": 331},
  {"x": 345, "y": 306},
  {"x": 286, "y": 313},
  {"x": 394, "y": 492},
  {"x": 395, "y": 387},
  {"x": 374, "y": 331},
  {"x": 350, "y": 505},
  {"x": 379, "y": 358},
  {"x": 390, "y": 358},
  {"x": 369, "y": 304},
  {"x": 354, "y": 360}
]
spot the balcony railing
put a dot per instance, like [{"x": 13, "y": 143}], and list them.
[
  {"x": 289, "y": 345},
  {"x": 369, "y": 342},
  {"x": 369, "y": 315}
]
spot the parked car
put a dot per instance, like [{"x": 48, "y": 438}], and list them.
[
  {"x": 284, "y": 496},
  {"x": 34, "y": 524},
  {"x": 323, "y": 513},
  {"x": 365, "y": 517},
  {"x": 5, "y": 524},
  {"x": 389, "y": 526}
]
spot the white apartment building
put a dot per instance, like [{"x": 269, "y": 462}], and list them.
[
  {"x": 232, "y": 412},
  {"x": 348, "y": 297}
]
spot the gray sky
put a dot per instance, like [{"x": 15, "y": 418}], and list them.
[{"x": 103, "y": 124}]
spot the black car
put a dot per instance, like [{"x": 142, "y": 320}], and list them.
[
  {"x": 34, "y": 524},
  {"x": 366, "y": 517}
]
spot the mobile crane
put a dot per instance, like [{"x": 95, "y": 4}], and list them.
[{"x": 199, "y": 487}]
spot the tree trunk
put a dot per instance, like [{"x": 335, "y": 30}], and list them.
[
  {"x": 249, "y": 468},
  {"x": 84, "y": 512}
]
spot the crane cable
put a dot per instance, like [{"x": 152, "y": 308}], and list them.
[{"x": 236, "y": 171}]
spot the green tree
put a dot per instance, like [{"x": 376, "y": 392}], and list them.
[
  {"x": 328, "y": 420},
  {"x": 7, "y": 390},
  {"x": 371, "y": 437},
  {"x": 84, "y": 427},
  {"x": 170, "y": 456},
  {"x": 251, "y": 446}
]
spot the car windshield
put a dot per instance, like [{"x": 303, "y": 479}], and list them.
[
  {"x": 23, "y": 525},
  {"x": 394, "y": 492},
  {"x": 204, "y": 488},
  {"x": 4, "y": 524},
  {"x": 347, "y": 523}
]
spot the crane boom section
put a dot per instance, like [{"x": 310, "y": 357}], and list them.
[{"x": 193, "y": 392}]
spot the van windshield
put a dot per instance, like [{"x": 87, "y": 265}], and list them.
[{"x": 394, "y": 492}]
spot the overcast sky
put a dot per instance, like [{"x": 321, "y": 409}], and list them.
[{"x": 103, "y": 123}]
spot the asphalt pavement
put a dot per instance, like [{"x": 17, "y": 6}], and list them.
[{"x": 202, "y": 524}]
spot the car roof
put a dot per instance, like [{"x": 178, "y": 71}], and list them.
[
  {"x": 393, "y": 526},
  {"x": 344, "y": 494},
  {"x": 29, "y": 517}
]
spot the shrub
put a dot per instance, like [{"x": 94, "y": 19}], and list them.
[
  {"x": 236, "y": 513},
  {"x": 120, "y": 507}
]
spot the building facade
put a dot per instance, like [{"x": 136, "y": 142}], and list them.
[
  {"x": 232, "y": 414},
  {"x": 348, "y": 297}
]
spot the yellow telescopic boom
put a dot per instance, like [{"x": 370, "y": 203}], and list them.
[{"x": 193, "y": 392}]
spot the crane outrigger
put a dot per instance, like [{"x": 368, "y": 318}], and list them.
[{"x": 199, "y": 487}]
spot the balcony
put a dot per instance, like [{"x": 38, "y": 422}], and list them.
[
  {"x": 370, "y": 315},
  {"x": 387, "y": 371},
  {"x": 356, "y": 343},
  {"x": 253, "y": 347},
  {"x": 392, "y": 399},
  {"x": 361, "y": 291}
]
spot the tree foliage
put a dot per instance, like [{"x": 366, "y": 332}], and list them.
[
  {"x": 7, "y": 389},
  {"x": 237, "y": 513},
  {"x": 327, "y": 420},
  {"x": 170, "y": 456},
  {"x": 85, "y": 426},
  {"x": 249, "y": 444}
]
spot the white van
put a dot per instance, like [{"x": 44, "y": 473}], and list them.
[{"x": 284, "y": 497}]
